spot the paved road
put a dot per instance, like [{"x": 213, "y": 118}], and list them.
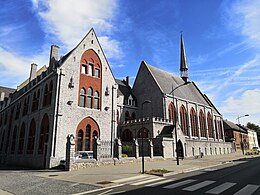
[
  {"x": 239, "y": 178},
  {"x": 26, "y": 182}
]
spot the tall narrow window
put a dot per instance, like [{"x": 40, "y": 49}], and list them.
[
  {"x": 34, "y": 101},
  {"x": 210, "y": 129},
  {"x": 202, "y": 124},
  {"x": 21, "y": 139},
  {"x": 194, "y": 126},
  {"x": 82, "y": 98},
  {"x": 97, "y": 73},
  {"x": 31, "y": 137},
  {"x": 90, "y": 69},
  {"x": 171, "y": 111},
  {"x": 87, "y": 140},
  {"x": 44, "y": 134},
  {"x": 84, "y": 69},
  {"x": 90, "y": 94},
  {"x": 80, "y": 141},
  {"x": 184, "y": 121},
  {"x": 220, "y": 130},
  {"x": 96, "y": 100},
  {"x": 127, "y": 136},
  {"x": 216, "y": 127},
  {"x": 14, "y": 140}
]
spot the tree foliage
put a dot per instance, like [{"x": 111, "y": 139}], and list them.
[{"x": 253, "y": 127}]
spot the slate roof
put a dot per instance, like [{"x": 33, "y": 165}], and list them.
[
  {"x": 167, "y": 81},
  {"x": 124, "y": 90},
  {"x": 228, "y": 125},
  {"x": 6, "y": 90}
]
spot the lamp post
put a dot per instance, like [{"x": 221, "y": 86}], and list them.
[
  {"x": 241, "y": 141},
  {"x": 175, "y": 119},
  {"x": 145, "y": 102}
]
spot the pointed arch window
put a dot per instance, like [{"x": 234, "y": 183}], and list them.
[
  {"x": 87, "y": 140},
  {"x": 44, "y": 134},
  {"x": 82, "y": 98},
  {"x": 216, "y": 127},
  {"x": 202, "y": 124},
  {"x": 143, "y": 131},
  {"x": 220, "y": 130},
  {"x": 31, "y": 137},
  {"x": 90, "y": 97},
  {"x": 14, "y": 140},
  {"x": 184, "y": 120},
  {"x": 171, "y": 112},
  {"x": 21, "y": 139},
  {"x": 127, "y": 136},
  {"x": 194, "y": 126},
  {"x": 96, "y": 100},
  {"x": 210, "y": 128},
  {"x": 80, "y": 141}
]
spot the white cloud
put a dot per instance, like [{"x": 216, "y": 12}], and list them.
[
  {"x": 70, "y": 20},
  {"x": 111, "y": 47},
  {"x": 15, "y": 69},
  {"x": 247, "y": 103},
  {"x": 245, "y": 17}
]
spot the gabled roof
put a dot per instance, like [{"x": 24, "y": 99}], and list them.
[
  {"x": 6, "y": 91},
  {"x": 167, "y": 81},
  {"x": 124, "y": 89},
  {"x": 228, "y": 125},
  {"x": 70, "y": 52}
]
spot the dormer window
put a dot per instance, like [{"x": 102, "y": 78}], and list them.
[{"x": 131, "y": 101}]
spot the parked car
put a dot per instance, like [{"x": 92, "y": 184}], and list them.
[
  {"x": 84, "y": 155},
  {"x": 255, "y": 148}
]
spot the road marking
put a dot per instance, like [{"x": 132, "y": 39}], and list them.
[
  {"x": 221, "y": 188},
  {"x": 198, "y": 186},
  {"x": 115, "y": 192},
  {"x": 99, "y": 189},
  {"x": 105, "y": 192},
  {"x": 248, "y": 189},
  {"x": 147, "y": 181},
  {"x": 175, "y": 185},
  {"x": 160, "y": 182},
  {"x": 129, "y": 178}
]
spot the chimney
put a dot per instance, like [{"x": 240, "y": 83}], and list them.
[
  {"x": 33, "y": 72},
  {"x": 53, "y": 56},
  {"x": 54, "y": 52},
  {"x": 2, "y": 96},
  {"x": 127, "y": 79}
]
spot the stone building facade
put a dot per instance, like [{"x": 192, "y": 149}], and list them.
[{"x": 78, "y": 96}]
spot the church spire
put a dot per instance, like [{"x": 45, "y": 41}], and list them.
[{"x": 183, "y": 62}]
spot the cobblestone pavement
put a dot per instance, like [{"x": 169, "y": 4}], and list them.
[{"x": 25, "y": 183}]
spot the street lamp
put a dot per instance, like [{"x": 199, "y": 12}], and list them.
[
  {"x": 175, "y": 119},
  {"x": 241, "y": 141},
  {"x": 145, "y": 102}
]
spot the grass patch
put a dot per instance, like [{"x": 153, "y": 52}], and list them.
[{"x": 159, "y": 171}]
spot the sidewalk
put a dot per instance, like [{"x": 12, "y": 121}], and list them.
[{"x": 106, "y": 173}]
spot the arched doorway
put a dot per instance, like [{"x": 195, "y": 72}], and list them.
[
  {"x": 180, "y": 149},
  {"x": 86, "y": 132}
]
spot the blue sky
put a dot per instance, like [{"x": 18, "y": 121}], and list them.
[{"x": 222, "y": 40}]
